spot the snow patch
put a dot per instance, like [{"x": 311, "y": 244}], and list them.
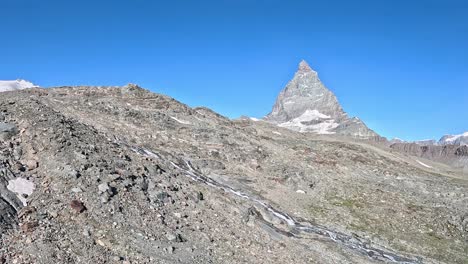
[
  {"x": 323, "y": 127},
  {"x": 277, "y": 133},
  {"x": 15, "y": 85},
  {"x": 181, "y": 121},
  {"x": 423, "y": 164},
  {"x": 21, "y": 187},
  {"x": 310, "y": 115},
  {"x": 254, "y": 119}
]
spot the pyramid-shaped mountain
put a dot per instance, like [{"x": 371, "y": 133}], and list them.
[{"x": 306, "y": 105}]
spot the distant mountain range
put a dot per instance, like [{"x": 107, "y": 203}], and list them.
[{"x": 459, "y": 140}]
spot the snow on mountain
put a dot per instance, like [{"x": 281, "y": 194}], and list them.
[
  {"x": 397, "y": 140},
  {"x": 426, "y": 142},
  {"x": 461, "y": 139},
  {"x": 458, "y": 140},
  {"x": 313, "y": 121},
  {"x": 15, "y": 85}
]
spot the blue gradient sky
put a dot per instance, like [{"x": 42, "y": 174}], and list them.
[{"x": 401, "y": 66}]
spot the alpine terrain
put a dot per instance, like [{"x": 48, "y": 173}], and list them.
[{"x": 124, "y": 175}]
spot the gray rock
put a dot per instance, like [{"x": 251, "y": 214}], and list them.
[
  {"x": 76, "y": 190},
  {"x": 171, "y": 237},
  {"x": 103, "y": 187},
  {"x": 105, "y": 198},
  {"x": 7, "y": 131}
]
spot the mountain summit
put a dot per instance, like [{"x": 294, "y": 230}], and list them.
[
  {"x": 306, "y": 105},
  {"x": 304, "y": 67}
]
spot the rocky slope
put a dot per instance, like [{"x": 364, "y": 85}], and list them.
[
  {"x": 306, "y": 105},
  {"x": 123, "y": 175}
]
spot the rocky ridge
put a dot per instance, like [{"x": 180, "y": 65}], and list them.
[
  {"x": 458, "y": 140},
  {"x": 450, "y": 150}
]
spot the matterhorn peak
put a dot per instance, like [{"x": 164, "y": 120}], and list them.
[
  {"x": 306, "y": 105},
  {"x": 304, "y": 67}
]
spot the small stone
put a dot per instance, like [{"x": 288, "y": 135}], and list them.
[
  {"x": 7, "y": 131},
  {"x": 100, "y": 242},
  {"x": 171, "y": 237},
  {"x": 32, "y": 164},
  {"x": 20, "y": 167},
  {"x": 163, "y": 197},
  {"x": 17, "y": 152},
  {"x": 175, "y": 238},
  {"x": 127, "y": 183},
  {"x": 105, "y": 198},
  {"x": 77, "y": 190},
  {"x": 113, "y": 177},
  {"x": 75, "y": 174},
  {"x": 170, "y": 249},
  {"x": 103, "y": 187},
  {"x": 53, "y": 214},
  {"x": 77, "y": 206},
  {"x": 29, "y": 226},
  {"x": 86, "y": 233},
  {"x": 200, "y": 196}
]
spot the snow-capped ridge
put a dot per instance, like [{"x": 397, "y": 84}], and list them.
[
  {"x": 15, "y": 85},
  {"x": 461, "y": 139}
]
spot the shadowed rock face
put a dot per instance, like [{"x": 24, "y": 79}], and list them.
[{"x": 306, "y": 105}]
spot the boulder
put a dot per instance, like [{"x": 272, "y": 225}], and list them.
[{"x": 7, "y": 131}]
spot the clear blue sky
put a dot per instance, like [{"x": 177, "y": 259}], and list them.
[{"x": 401, "y": 66}]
